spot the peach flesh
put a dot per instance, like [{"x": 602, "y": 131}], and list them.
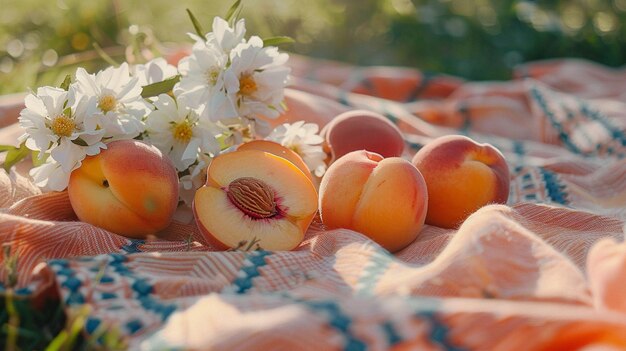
[
  {"x": 254, "y": 196},
  {"x": 278, "y": 150}
]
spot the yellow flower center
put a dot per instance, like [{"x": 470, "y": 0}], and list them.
[
  {"x": 107, "y": 103},
  {"x": 247, "y": 85},
  {"x": 211, "y": 75},
  {"x": 63, "y": 126},
  {"x": 182, "y": 131}
]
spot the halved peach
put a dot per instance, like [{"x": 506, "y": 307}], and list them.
[
  {"x": 255, "y": 200},
  {"x": 277, "y": 149}
]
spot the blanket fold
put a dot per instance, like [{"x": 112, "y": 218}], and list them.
[{"x": 543, "y": 272}]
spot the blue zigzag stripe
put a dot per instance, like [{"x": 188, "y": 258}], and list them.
[
  {"x": 337, "y": 320},
  {"x": 555, "y": 189},
  {"x": 375, "y": 268},
  {"x": 615, "y": 133},
  {"x": 249, "y": 272},
  {"x": 438, "y": 331},
  {"x": 555, "y": 124},
  {"x": 133, "y": 246}
]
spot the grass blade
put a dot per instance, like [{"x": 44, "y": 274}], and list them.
[
  {"x": 196, "y": 24},
  {"x": 275, "y": 41},
  {"x": 103, "y": 55},
  {"x": 232, "y": 11}
]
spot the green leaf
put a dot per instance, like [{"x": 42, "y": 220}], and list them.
[
  {"x": 232, "y": 11},
  {"x": 4, "y": 148},
  {"x": 14, "y": 156},
  {"x": 66, "y": 83},
  {"x": 80, "y": 142},
  {"x": 275, "y": 41},
  {"x": 36, "y": 160},
  {"x": 196, "y": 24},
  {"x": 157, "y": 88},
  {"x": 223, "y": 140}
]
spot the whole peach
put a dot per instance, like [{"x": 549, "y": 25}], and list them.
[
  {"x": 383, "y": 198},
  {"x": 362, "y": 130},
  {"x": 461, "y": 176},
  {"x": 130, "y": 188}
]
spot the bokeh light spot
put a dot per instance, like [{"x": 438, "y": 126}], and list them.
[
  {"x": 540, "y": 20},
  {"x": 80, "y": 41},
  {"x": 463, "y": 7},
  {"x": 456, "y": 27},
  {"x": 403, "y": 7},
  {"x": 573, "y": 17},
  {"x": 6, "y": 65},
  {"x": 605, "y": 22},
  {"x": 50, "y": 58},
  {"x": 487, "y": 16},
  {"x": 15, "y": 48}
]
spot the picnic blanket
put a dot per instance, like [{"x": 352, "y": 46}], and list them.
[{"x": 544, "y": 272}]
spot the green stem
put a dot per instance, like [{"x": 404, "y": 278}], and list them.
[{"x": 13, "y": 323}]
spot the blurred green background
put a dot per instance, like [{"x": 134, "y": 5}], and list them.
[{"x": 40, "y": 41}]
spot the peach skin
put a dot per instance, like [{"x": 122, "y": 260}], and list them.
[
  {"x": 254, "y": 200},
  {"x": 461, "y": 176},
  {"x": 362, "y": 130},
  {"x": 130, "y": 189},
  {"x": 278, "y": 150},
  {"x": 384, "y": 198}
]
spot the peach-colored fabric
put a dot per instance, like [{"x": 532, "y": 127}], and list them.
[{"x": 543, "y": 272}]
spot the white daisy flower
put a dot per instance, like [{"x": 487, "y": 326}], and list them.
[
  {"x": 223, "y": 36},
  {"x": 303, "y": 138},
  {"x": 241, "y": 130},
  {"x": 57, "y": 123},
  {"x": 262, "y": 128},
  {"x": 176, "y": 129},
  {"x": 202, "y": 80},
  {"x": 50, "y": 176},
  {"x": 256, "y": 79},
  {"x": 120, "y": 105},
  {"x": 190, "y": 183},
  {"x": 153, "y": 71}
]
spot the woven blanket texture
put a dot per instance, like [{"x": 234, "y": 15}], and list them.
[{"x": 546, "y": 271}]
